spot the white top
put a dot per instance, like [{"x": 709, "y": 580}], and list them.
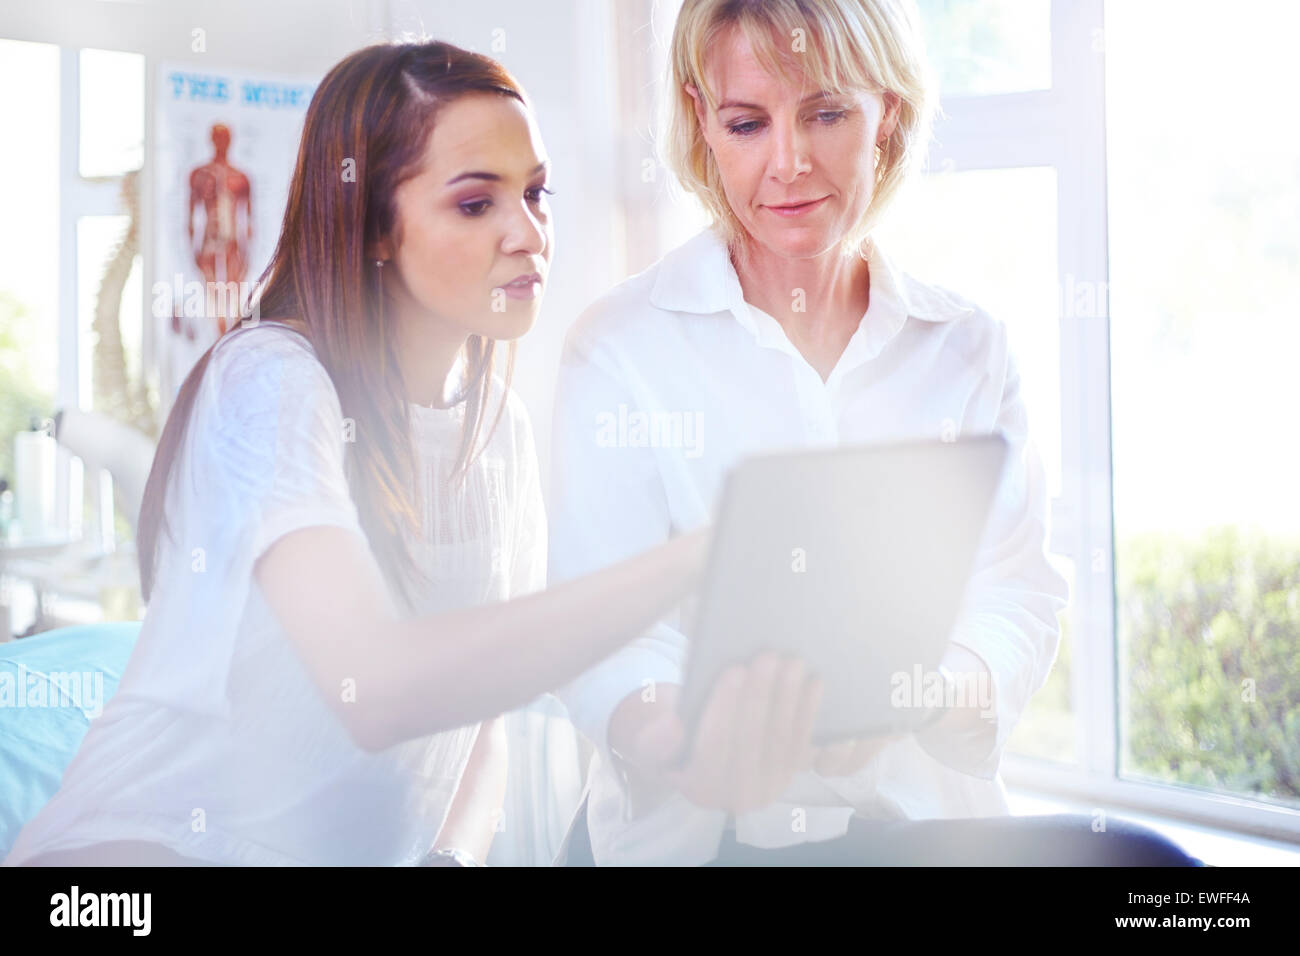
[
  {"x": 217, "y": 744},
  {"x": 672, "y": 377}
]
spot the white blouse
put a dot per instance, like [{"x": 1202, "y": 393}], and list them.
[
  {"x": 671, "y": 378},
  {"x": 217, "y": 743}
]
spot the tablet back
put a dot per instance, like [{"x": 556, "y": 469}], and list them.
[{"x": 855, "y": 558}]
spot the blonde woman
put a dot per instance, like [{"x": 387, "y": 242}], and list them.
[{"x": 784, "y": 324}]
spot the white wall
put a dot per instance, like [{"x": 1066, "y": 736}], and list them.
[{"x": 282, "y": 35}]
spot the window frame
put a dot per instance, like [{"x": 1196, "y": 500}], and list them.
[
  {"x": 78, "y": 197},
  {"x": 1065, "y": 127},
  {"x": 81, "y": 196}
]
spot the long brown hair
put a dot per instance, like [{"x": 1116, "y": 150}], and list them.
[{"x": 372, "y": 115}]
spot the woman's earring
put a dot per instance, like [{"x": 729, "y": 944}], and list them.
[{"x": 379, "y": 265}]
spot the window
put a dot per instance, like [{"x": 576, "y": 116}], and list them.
[
  {"x": 1204, "y": 183},
  {"x": 29, "y": 247},
  {"x": 978, "y": 47},
  {"x": 82, "y": 113},
  {"x": 1175, "y": 281},
  {"x": 109, "y": 118},
  {"x": 111, "y": 113},
  {"x": 71, "y": 309}
]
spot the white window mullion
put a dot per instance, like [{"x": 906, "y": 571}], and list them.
[
  {"x": 68, "y": 393},
  {"x": 152, "y": 335},
  {"x": 1079, "y": 76}
]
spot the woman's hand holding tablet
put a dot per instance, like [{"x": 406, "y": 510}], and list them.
[{"x": 753, "y": 736}]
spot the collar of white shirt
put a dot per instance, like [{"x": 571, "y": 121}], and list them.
[{"x": 699, "y": 277}]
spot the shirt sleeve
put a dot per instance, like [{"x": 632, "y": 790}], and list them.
[
  {"x": 277, "y": 445},
  {"x": 1009, "y": 619},
  {"x": 607, "y": 504},
  {"x": 263, "y": 456}
]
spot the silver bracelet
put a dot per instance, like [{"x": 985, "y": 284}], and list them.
[{"x": 448, "y": 856}]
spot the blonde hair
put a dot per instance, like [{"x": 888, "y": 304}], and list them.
[{"x": 846, "y": 45}]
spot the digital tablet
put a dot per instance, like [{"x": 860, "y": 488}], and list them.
[{"x": 854, "y": 558}]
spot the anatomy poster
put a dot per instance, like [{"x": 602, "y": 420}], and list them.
[{"x": 225, "y": 145}]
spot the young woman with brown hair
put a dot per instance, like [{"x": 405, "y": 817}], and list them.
[{"x": 334, "y": 544}]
